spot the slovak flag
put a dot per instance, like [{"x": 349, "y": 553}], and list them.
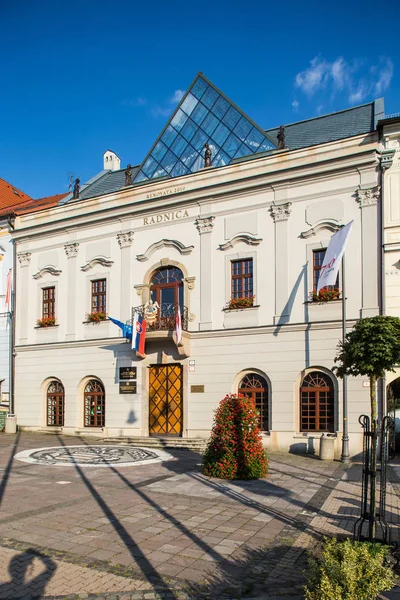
[
  {"x": 8, "y": 290},
  {"x": 178, "y": 327},
  {"x": 138, "y": 333}
]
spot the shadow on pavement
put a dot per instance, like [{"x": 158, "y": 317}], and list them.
[
  {"x": 21, "y": 567},
  {"x": 7, "y": 470}
]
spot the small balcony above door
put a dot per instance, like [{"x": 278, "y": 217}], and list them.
[{"x": 161, "y": 317}]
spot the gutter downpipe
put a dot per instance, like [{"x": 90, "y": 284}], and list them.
[
  {"x": 11, "y": 415},
  {"x": 386, "y": 161}
]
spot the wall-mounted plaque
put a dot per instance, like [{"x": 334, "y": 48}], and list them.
[
  {"x": 197, "y": 389},
  {"x": 127, "y": 373},
  {"x": 127, "y": 387}
]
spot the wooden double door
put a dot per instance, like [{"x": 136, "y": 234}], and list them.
[{"x": 165, "y": 400}]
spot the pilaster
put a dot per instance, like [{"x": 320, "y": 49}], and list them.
[
  {"x": 368, "y": 199},
  {"x": 24, "y": 259},
  {"x": 280, "y": 214},
  {"x": 125, "y": 241},
  {"x": 71, "y": 251},
  {"x": 205, "y": 226}
]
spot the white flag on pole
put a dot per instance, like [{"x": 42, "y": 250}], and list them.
[
  {"x": 333, "y": 256},
  {"x": 178, "y": 327}
]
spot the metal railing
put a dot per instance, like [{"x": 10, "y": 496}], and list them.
[{"x": 165, "y": 317}]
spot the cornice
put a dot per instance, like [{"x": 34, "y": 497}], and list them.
[
  {"x": 216, "y": 333},
  {"x": 215, "y": 187},
  {"x": 98, "y": 260},
  {"x": 247, "y": 238},
  {"x": 164, "y": 243},
  {"x": 49, "y": 269}
]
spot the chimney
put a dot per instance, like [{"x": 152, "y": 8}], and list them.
[{"x": 111, "y": 161}]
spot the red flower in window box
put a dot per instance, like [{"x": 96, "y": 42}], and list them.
[
  {"x": 46, "y": 322},
  {"x": 325, "y": 295},
  {"x": 244, "y": 302},
  {"x": 96, "y": 317}
]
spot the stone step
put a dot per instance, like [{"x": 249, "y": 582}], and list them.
[{"x": 196, "y": 444}]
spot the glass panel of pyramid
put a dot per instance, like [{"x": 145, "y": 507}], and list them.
[{"x": 203, "y": 115}]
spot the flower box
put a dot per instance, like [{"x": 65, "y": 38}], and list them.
[
  {"x": 244, "y": 302},
  {"x": 96, "y": 317},
  {"x": 46, "y": 322},
  {"x": 325, "y": 295}
]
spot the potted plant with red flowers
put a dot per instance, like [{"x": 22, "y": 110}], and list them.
[
  {"x": 243, "y": 302},
  {"x": 235, "y": 450},
  {"x": 46, "y": 322},
  {"x": 325, "y": 295},
  {"x": 96, "y": 317}
]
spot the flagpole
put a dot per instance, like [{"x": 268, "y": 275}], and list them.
[{"x": 345, "y": 457}]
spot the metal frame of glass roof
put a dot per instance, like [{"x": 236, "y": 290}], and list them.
[{"x": 204, "y": 115}]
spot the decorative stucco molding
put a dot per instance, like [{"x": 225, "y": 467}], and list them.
[
  {"x": 368, "y": 196},
  {"x": 393, "y": 271},
  {"x": 189, "y": 282},
  {"x": 280, "y": 212},
  {"x": 387, "y": 158},
  {"x": 98, "y": 260},
  {"x": 140, "y": 287},
  {"x": 247, "y": 238},
  {"x": 125, "y": 239},
  {"x": 164, "y": 243},
  {"x": 24, "y": 258},
  {"x": 204, "y": 224},
  {"x": 48, "y": 269},
  {"x": 329, "y": 225},
  {"x": 71, "y": 250}
]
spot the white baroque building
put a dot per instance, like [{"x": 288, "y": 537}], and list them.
[{"x": 237, "y": 245}]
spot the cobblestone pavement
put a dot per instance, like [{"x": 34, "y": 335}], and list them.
[{"x": 164, "y": 530}]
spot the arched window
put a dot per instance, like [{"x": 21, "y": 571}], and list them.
[
  {"x": 95, "y": 404},
  {"x": 255, "y": 386},
  {"x": 55, "y": 404},
  {"x": 317, "y": 403},
  {"x": 167, "y": 286}
]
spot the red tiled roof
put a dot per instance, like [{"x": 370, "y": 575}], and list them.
[
  {"x": 10, "y": 195},
  {"x": 40, "y": 204}
]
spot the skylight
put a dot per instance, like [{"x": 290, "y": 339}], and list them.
[{"x": 203, "y": 115}]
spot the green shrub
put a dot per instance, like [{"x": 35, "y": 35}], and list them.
[
  {"x": 349, "y": 571},
  {"x": 235, "y": 449}
]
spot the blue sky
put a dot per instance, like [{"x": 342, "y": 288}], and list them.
[{"x": 81, "y": 77}]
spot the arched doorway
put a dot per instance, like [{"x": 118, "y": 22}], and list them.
[
  {"x": 317, "y": 403},
  {"x": 167, "y": 286},
  {"x": 393, "y": 410},
  {"x": 55, "y": 404},
  {"x": 255, "y": 386},
  {"x": 94, "y": 404}
]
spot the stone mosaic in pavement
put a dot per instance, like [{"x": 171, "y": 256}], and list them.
[{"x": 93, "y": 456}]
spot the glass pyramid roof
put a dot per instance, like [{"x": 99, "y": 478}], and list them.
[{"x": 203, "y": 115}]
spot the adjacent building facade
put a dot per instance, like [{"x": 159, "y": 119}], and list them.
[{"x": 230, "y": 224}]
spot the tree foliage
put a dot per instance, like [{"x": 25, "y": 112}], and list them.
[
  {"x": 235, "y": 449},
  {"x": 370, "y": 348}
]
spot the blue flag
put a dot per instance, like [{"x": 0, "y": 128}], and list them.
[{"x": 126, "y": 329}]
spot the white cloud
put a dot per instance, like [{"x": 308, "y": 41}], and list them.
[
  {"x": 313, "y": 78},
  {"x": 158, "y": 111},
  {"x": 295, "y": 105},
  {"x": 177, "y": 97},
  {"x": 353, "y": 79},
  {"x": 384, "y": 76},
  {"x": 134, "y": 102}
]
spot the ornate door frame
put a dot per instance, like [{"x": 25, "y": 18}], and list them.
[{"x": 166, "y": 399}]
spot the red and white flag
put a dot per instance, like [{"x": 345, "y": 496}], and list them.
[
  {"x": 333, "y": 256},
  {"x": 8, "y": 290},
  {"x": 178, "y": 327}
]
